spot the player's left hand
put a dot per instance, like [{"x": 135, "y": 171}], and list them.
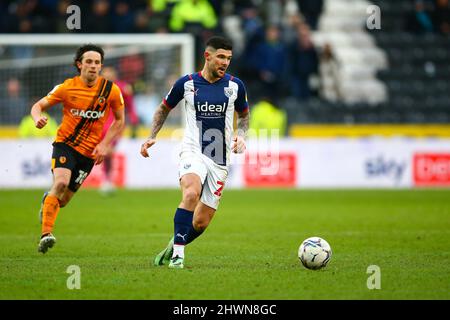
[
  {"x": 147, "y": 144},
  {"x": 238, "y": 145},
  {"x": 100, "y": 152}
]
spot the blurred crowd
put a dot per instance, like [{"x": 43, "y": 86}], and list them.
[
  {"x": 273, "y": 51},
  {"x": 429, "y": 16}
]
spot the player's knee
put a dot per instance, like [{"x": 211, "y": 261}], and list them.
[
  {"x": 200, "y": 225},
  {"x": 60, "y": 186},
  {"x": 191, "y": 196}
]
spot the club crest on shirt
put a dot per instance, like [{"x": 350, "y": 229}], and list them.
[{"x": 228, "y": 91}]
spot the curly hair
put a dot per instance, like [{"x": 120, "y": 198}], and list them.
[{"x": 85, "y": 48}]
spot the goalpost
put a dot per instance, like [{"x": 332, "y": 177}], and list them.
[{"x": 31, "y": 65}]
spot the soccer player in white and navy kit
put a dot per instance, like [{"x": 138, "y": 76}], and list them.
[{"x": 211, "y": 97}]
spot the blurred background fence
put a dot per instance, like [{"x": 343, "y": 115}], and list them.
[{"x": 313, "y": 68}]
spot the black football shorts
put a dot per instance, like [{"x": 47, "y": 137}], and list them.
[{"x": 66, "y": 157}]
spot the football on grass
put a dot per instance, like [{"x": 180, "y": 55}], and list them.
[{"x": 314, "y": 253}]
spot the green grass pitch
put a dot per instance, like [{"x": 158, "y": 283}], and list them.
[{"x": 248, "y": 252}]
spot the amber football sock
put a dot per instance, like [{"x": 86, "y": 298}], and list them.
[{"x": 49, "y": 213}]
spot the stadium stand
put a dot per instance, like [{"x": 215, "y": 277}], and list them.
[
  {"x": 392, "y": 75},
  {"x": 335, "y": 70},
  {"x": 418, "y": 78}
]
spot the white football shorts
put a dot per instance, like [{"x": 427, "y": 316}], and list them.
[{"x": 212, "y": 176}]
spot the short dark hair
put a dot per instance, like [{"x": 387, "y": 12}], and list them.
[
  {"x": 85, "y": 48},
  {"x": 217, "y": 42}
]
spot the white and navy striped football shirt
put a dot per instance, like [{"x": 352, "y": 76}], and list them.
[{"x": 209, "y": 113}]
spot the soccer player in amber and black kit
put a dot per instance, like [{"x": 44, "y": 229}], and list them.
[
  {"x": 211, "y": 97},
  {"x": 87, "y": 100}
]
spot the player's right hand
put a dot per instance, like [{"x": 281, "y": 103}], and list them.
[
  {"x": 41, "y": 122},
  {"x": 147, "y": 144}
]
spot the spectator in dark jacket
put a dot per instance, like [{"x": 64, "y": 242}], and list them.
[
  {"x": 311, "y": 10},
  {"x": 266, "y": 62},
  {"x": 99, "y": 20},
  {"x": 419, "y": 21},
  {"x": 441, "y": 17},
  {"x": 303, "y": 62}
]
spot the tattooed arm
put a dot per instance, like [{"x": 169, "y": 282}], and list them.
[
  {"x": 159, "y": 118},
  {"x": 243, "y": 122}
]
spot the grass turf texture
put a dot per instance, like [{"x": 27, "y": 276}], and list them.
[{"x": 248, "y": 252}]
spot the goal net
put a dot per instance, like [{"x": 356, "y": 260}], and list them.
[{"x": 31, "y": 65}]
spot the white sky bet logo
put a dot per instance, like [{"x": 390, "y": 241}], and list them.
[{"x": 87, "y": 114}]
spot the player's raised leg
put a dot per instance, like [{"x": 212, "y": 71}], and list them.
[
  {"x": 209, "y": 201},
  {"x": 51, "y": 206},
  {"x": 203, "y": 215},
  {"x": 42, "y": 206},
  {"x": 191, "y": 187}
]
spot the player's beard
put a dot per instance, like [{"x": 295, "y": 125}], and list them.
[
  {"x": 216, "y": 73},
  {"x": 91, "y": 77}
]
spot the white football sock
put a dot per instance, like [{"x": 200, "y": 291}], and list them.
[{"x": 178, "y": 250}]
